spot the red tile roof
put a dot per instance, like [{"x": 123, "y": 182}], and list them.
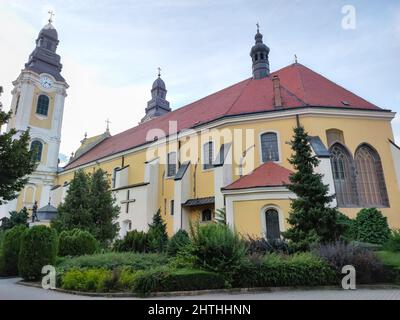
[
  {"x": 300, "y": 87},
  {"x": 269, "y": 174}
]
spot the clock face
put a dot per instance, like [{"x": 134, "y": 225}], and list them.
[{"x": 46, "y": 82}]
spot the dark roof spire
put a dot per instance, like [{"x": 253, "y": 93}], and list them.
[
  {"x": 44, "y": 58},
  {"x": 158, "y": 105},
  {"x": 260, "y": 56}
]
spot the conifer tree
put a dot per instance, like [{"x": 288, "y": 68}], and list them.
[
  {"x": 103, "y": 210},
  {"x": 311, "y": 217},
  {"x": 158, "y": 237},
  {"x": 75, "y": 211}
]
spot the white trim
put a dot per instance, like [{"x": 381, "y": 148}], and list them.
[
  {"x": 314, "y": 111},
  {"x": 264, "y": 221},
  {"x": 278, "y": 137},
  {"x": 275, "y": 190}
]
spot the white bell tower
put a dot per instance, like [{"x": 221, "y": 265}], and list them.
[{"x": 38, "y": 105}]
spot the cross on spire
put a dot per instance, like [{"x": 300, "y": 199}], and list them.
[
  {"x": 258, "y": 27},
  {"x": 108, "y": 124},
  {"x": 159, "y": 71},
  {"x": 52, "y": 14},
  {"x": 295, "y": 58}
]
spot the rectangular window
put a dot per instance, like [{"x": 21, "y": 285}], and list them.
[
  {"x": 171, "y": 170},
  {"x": 172, "y": 207},
  {"x": 208, "y": 152}
]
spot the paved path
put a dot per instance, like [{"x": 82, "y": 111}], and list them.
[{"x": 9, "y": 290}]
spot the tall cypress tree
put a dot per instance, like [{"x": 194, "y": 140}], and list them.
[
  {"x": 75, "y": 211},
  {"x": 158, "y": 237},
  {"x": 311, "y": 217},
  {"x": 103, "y": 210}
]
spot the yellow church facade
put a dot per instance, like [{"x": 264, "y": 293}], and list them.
[{"x": 227, "y": 151}]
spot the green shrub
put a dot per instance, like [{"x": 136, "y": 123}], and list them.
[
  {"x": 134, "y": 241},
  {"x": 372, "y": 226},
  {"x": 349, "y": 227},
  {"x": 10, "y": 251},
  {"x": 189, "y": 279},
  {"x": 147, "y": 281},
  {"x": 39, "y": 246},
  {"x": 274, "y": 270},
  {"x": 112, "y": 260},
  {"x": 127, "y": 278},
  {"x": 217, "y": 248},
  {"x": 76, "y": 243},
  {"x": 393, "y": 243},
  {"x": 91, "y": 280},
  {"x": 178, "y": 241},
  {"x": 369, "y": 268}
]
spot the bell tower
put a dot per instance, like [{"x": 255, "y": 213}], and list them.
[{"x": 38, "y": 105}]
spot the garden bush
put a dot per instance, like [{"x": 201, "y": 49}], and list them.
[
  {"x": 263, "y": 246},
  {"x": 134, "y": 241},
  {"x": 90, "y": 280},
  {"x": 189, "y": 279},
  {"x": 147, "y": 281},
  {"x": 77, "y": 242},
  {"x": 372, "y": 227},
  {"x": 217, "y": 248},
  {"x": 369, "y": 268},
  {"x": 276, "y": 270},
  {"x": 393, "y": 243},
  {"x": 127, "y": 278},
  {"x": 39, "y": 246},
  {"x": 112, "y": 260},
  {"x": 178, "y": 241},
  {"x": 10, "y": 250}
]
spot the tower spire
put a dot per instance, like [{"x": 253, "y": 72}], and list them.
[
  {"x": 158, "y": 105},
  {"x": 260, "y": 56}
]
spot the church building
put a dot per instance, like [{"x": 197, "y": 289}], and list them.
[{"x": 227, "y": 151}]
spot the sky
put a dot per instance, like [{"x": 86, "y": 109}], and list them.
[{"x": 111, "y": 50}]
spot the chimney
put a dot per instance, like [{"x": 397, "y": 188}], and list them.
[{"x": 277, "y": 92}]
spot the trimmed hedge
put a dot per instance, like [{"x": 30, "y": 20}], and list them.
[
  {"x": 39, "y": 246},
  {"x": 77, "y": 242},
  {"x": 273, "y": 270},
  {"x": 112, "y": 260},
  {"x": 189, "y": 279},
  {"x": 10, "y": 250}
]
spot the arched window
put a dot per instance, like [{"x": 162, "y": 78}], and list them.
[
  {"x": 208, "y": 154},
  {"x": 37, "y": 147},
  {"x": 272, "y": 224},
  {"x": 343, "y": 176},
  {"x": 43, "y": 105},
  {"x": 269, "y": 147},
  {"x": 206, "y": 215},
  {"x": 333, "y": 136},
  {"x": 371, "y": 182}
]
